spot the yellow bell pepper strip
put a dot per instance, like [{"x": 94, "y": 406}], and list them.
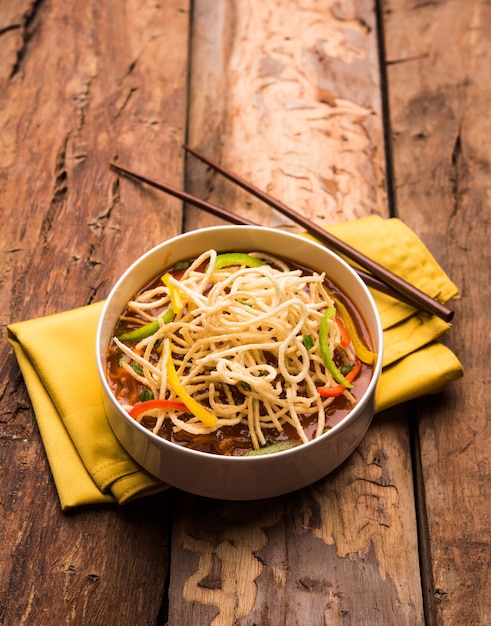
[
  {"x": 337, "y": 390},
  {"x": 279, "y": 446},
  {"x": 324, "y": 348},
  {"x": 236, "y": 258},
  {"x": 149, "y": 329},
  {"x": 170, "y": 405},
  {"x": 174, "y": 293},
  {"x": 193, "y": 406},
  {"x": 366, "y": 355}
]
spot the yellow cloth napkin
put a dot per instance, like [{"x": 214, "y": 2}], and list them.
[{"x": 56, "y": 355}]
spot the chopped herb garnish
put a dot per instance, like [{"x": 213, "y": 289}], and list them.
[
  {"x": 136, "y": 368},
  {"x": 308, "y": 342},
  {"x": 181, "y": 265},
  {"x": 246, "y": 386},
  {"x": 146, "y": 395}
]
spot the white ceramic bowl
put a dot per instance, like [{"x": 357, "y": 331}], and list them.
[{"x": 228, "y": 477}]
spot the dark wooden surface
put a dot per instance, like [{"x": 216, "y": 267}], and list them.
[
  {"x": 340, "y": 110},
  {"x": 439, "y": 95}
]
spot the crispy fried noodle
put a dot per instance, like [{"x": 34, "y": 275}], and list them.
[{"x": 237, "y": 341}]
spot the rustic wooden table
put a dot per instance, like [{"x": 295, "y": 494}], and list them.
[{"x": 342, "y": 109}]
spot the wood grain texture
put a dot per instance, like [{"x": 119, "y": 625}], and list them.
[
  {"x": 343, "y": 549},
  {"x": 440, "y": 97},
  {"x": 82, "y": 84},
  {"x": 287, "y": 95}
]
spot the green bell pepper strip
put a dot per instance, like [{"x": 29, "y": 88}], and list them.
[
  {"x": 324, "y": 348},
  {"x": 337, "y": 390},
  {"x": 236, "y": 258},
  {"x": 279, "y": 446},
  {"x": 149, "y": 329}
]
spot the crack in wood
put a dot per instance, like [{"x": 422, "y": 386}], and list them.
[
  {"x": 457, "y": 150},
  {"x": 93, "y": 578},
  {"x": 440, "y": 595},
  {"x": 7, "y": 29},
  {"x": 417, "y": 57},
  {"x": 82, "y": 101},
  {"x": 101, "y": 221},
  {"x": 455, "y": 174},
  {"x": 125, "y": 102},
  {"x": 417, "y": 6},
  {"x": 313, "y": 584},
  {"x": 16, "y": 424},
  {"x": 28, "y": 27},
  {"x": 60, "y": 193}
]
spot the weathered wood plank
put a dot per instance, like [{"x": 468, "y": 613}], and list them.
[
  {"x": 345, "y": 546},
  {"x": 440, "y": 97},
  {"x": 82, "y": 83},
  {"x": 287, "y": 95}
]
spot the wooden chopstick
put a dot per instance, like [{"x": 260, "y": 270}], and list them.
[
  {"x": 377, "y": 279},
  {"x": 410, "y": 293},
  {"x": 187, "y": 197},
  {"x": 371, "y": 281}
]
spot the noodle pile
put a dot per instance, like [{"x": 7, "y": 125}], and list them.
[{"x": 238, "y": 346}]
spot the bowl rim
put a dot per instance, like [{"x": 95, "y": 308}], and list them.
[{"x": 337, "y": 428}]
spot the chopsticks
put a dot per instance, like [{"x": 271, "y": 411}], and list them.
[
  {"x": 218, "y": 211},
  {"x": 379, "y": 277}
]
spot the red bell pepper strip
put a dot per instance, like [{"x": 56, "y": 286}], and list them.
[
  {"x": 171, "y": 405},
  {"x": 345, "y": 338},
  {"x": 337, "y": 390}
]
